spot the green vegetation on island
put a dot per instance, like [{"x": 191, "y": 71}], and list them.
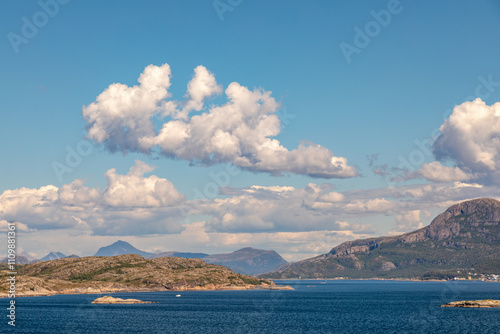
[{"x": 126, "y": 273}]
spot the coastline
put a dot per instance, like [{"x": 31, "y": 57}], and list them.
[
  {"x": 90, "y": 290},
  {"x": 379, "y": 279}
]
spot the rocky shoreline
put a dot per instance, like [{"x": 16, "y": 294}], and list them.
[{"x": 114, "y": 288}]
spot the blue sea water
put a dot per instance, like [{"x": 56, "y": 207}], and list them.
[{"x": 313, "y": 307}]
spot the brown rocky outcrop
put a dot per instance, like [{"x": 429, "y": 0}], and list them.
[
  {"x": 112, "y": 300},
  {"x": 474, "y": 303}
]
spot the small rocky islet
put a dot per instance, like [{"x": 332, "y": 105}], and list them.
[
  {"x": 113, "y": 300},
  {"x": 474, "y": 303}
]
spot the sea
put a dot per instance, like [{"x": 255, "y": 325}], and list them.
[{"x": 314, "y": 306}]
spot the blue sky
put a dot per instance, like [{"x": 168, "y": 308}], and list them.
[{"x": 399, "y": 88}]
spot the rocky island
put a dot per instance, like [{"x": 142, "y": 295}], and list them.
[
  {"x": 474, "y": 303},
  {"x": 112, "y": 300},
  {"x": 127, "y": 273}
]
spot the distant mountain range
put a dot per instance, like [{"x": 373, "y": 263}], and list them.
[
  {"x": 248, "y": 261},
  {"x": 465, "y": 236},
  {"x": 20, "y": 259},
  {"x": 25, "y": 258}
]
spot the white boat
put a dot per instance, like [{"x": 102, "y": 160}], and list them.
[{"x": 177, "y": 295}]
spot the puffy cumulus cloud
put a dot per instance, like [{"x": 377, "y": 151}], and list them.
[
  {"x": 135, "y": 190},
  {"x": 198, "y": 237},
  {"x": 471, "y": 138},
  {"x": 332, "y": 197},
  {"x": 131, "y": 204},
  {"x": 297, "y": 222},
  {"x": 77, "y": 195},
  {"x": 202, "y": 86},
  {"x": 408, "y": 221},
  {"x": 436, "y": 172},
  {"x": 318, "y": 207},
  {"x": 134, "y": 204},
  {"x": 292, "y": 246},
  {"x": 321, "y": 197},
  {"x": 371, "y": 206},
  {"x": 121, "y": 115},
  {"x": 138, "y": 221},
  {"x": 240, "y": 131},
  {"x": 273, "y": 209},
  {"x": 433, "y": 198},
  {"x": 34, "y": 208}
]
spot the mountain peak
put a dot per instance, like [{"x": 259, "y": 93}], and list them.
[
  {"x": 121, "y": 243},
  {"x": 53, "y": 256},
  {"x": 472, "y": 206},
  {"x": 121, "y": 247},
  {"x": 459, "y": 218},
  {"x": 246, "y": 249},
  {"x": 248, "y": 260}
]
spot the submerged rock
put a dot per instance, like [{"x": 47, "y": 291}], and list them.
[
  {"x": 112, "y": 300},
  {"x": 474, "y": 303}
]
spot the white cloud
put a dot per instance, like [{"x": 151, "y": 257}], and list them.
[
  {"x": 273, "y": 209},
  {"x": 131, "y": 204},
  {"x": 371, "y": 206},
  {"x": 76, "y": 194},
  {"x": 332, "y": 197},
  {"x": 135, "y": 190},
  {"x": 121, "y": 115},
  {"x": 34, "y": 208},
  {"x": 471, "y": 138},
  {"x": 19, "y": 227},
  {"x": 292, "y": 246},
  {"x": 408, "y": 221},
  {"x": 202, "y": 86},
  {"x": 467, "y": 185},
  {"x": 134, "y": 204},
  {"x": 295, "y": 221},
  {"x": 436, "y": 172},
  {"x": 240, "y": 131}
]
